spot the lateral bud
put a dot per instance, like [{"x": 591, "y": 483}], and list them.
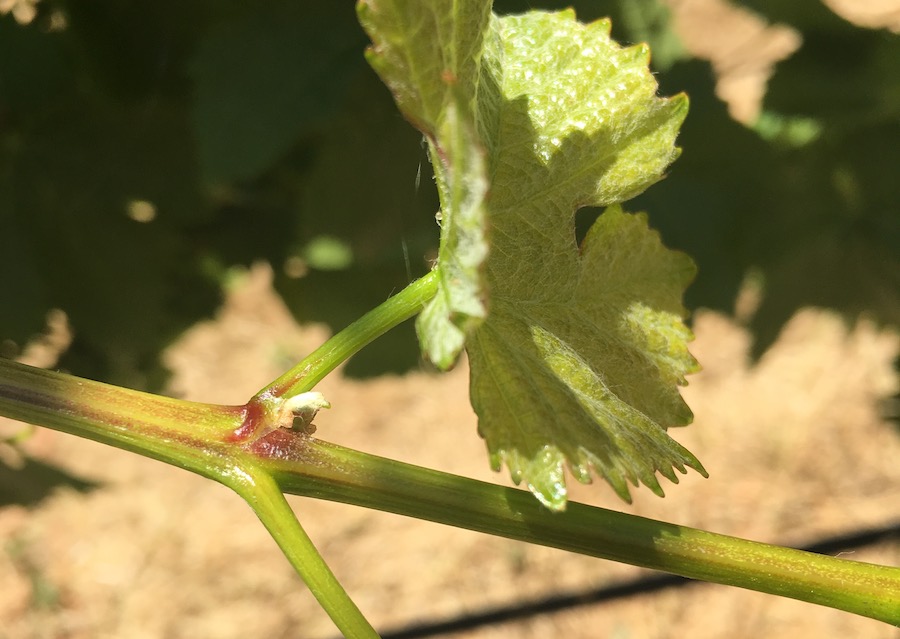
[{"x": 298, "y": 412}]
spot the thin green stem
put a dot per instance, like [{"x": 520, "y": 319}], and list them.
[
  {"x": 269, "y": 504},
  {"x": 313, "y": 368},
  {"x": 331, "y": 472}
]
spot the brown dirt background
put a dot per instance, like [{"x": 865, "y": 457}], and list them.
[{"x": 795, "y": 445}]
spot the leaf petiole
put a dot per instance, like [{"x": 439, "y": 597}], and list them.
[{"x": 339, "y": 348}]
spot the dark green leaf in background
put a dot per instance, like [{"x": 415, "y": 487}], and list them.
[
  {"x": 128, "y": 286},
  {"x": 265, "y": 77},
  {"x": 145, "y": 99}
]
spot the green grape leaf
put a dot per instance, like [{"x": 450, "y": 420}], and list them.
[
  {"x": 435, "y": 81},
  {"x": 458, "y": 307},
  {"x": 578, "y": 361},
  {"x": 585, "y": 370},
  {"x": 427, "y": 53}
]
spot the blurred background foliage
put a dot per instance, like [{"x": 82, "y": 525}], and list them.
[{"x": 149, "y": 148}]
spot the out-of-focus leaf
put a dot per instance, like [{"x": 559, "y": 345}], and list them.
[
  {"x": 127, "y": 286},
  {"x": 265, "y": 78},
  {"x": 387, "y": 221},
  {"x": 33, "y": 68}
]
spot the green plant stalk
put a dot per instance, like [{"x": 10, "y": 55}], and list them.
[
  {"x": 203, "y": 438},
  {"x": 331, "y": 472},
  {"x": 313, "y": 368},
  {"x": 211, "y": 440},
  {"x": 262, "y": 493},
  {"x": 186, "y": 434},
  {"x": 198, "y": 437}
]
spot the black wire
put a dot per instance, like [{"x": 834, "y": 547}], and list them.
[{"x": 533, "y": 608}]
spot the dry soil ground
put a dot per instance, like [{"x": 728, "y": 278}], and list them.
[{"x": 795, "y": 445}]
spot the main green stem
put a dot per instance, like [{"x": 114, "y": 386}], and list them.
[{"x": 331, "y": 472}]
